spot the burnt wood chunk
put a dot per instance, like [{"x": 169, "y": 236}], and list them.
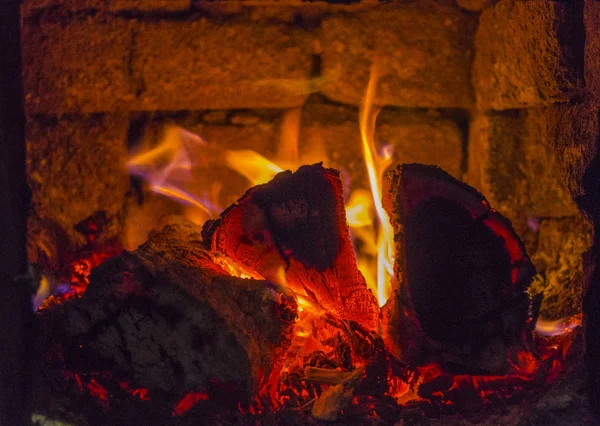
[
  {"x": 464, "y": 272},
  {"x": 168, "y": 319},
  {"x": 296, "y": 226}
]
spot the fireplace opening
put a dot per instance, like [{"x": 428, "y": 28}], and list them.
[{"x": 313, "y": 212}]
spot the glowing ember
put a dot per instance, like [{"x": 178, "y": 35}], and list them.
[
  {"x": 98, "y": 391},
  {"x": 188, "y": 401},
  {"x": 140, "y": 393},
  {"x": 75, "y": 278}
]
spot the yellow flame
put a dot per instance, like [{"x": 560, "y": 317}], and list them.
[
  {"x": 287, "y": 150},
  {"x": 376, "y": 166},
  {"x": 359, "y": 209},
  {"x": 253, "y": 166}
]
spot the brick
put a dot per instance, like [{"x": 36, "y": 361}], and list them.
[
  {"x": 592, "y": 48},
  {"x": 331, "y": 133},
  {"x": 150, "y": 5},
  {"x": 424, "y": 52},
  {"x": 80, "y": 67},
  {"x": 76, "y": 166},
  {"x": 529, "y": 53},
  {"x": 576, "y": 137},
  {"x": 475, "y": 5},
  {"x": 205, "y": 65},
  {"x": 31, "y": 7},
  {"x": 512, "y": 161}
]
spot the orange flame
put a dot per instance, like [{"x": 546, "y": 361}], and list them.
[
  {"x": 167, "y": 167},
  {"x": 376, "y": 165},
  {"x": 253, "y": 166},
  {"x": 558, "y": 327}
]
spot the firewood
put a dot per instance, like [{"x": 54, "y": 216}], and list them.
[
  {"x": 168, "y": 319},
  {"x": 297, "y": 224},
  {"x": 464, "y": 273}
]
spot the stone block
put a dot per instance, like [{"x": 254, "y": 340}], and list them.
[
  {"x": 592, "y": 48},
  {"x": 423, "y": 50},
  {"x": 78, "y": 67},
  {"x": 529, "y": 53},
  {"x": 575, "y": 139},
  {"x": 31, "y": 7},
  {"x": 76, "y": 167},
  {"x": 512, "y": 161},
  {"x": 150, "y": 5},
  {"x": 475, "y": 5},
  {"x": 330, "y": 133},
  {"x": 202, "y": 64}
]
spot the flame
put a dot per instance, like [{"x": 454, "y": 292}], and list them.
[
  {"x": 558, "y": 327},
  {"x": 359, "y": 209},
  {"x": 376, "y": 164},
  {"x": 167, "y": 167},
  {"x": 253, "y": 166},
  {"x": 287, "y": 150}
]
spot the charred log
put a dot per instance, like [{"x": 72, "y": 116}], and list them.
[
  {"x": 165, "y": 318},
  {"x": 297, "y": 224},
  {"x": 465, "y": 274}
]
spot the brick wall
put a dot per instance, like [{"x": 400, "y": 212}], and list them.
[{"x": 502, "y": 94}]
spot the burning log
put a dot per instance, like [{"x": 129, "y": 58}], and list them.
[
  {"x": 297, "y": 224},
  {"x": 169, "y": 320},
  {"x": 465, "y": 274}
]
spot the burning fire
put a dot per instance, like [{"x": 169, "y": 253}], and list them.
[{"x": 168, "y": 169}]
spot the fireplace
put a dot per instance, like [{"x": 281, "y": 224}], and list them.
[{"x": 186, "y": 276}]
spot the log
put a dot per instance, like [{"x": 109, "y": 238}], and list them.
[
  {"x": 296, "y": 224},
  {"x": 464, "y": 274},
  {"x": 167, "y": 319}
]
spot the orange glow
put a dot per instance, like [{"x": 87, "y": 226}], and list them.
[
  {"x": 376, "y": 166},
  {"x": 558, "y": 327},
  {"x": 234, "y": 269},
  {"x": 306, "y": 305},
  {"x": 188, "y": 401}
]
